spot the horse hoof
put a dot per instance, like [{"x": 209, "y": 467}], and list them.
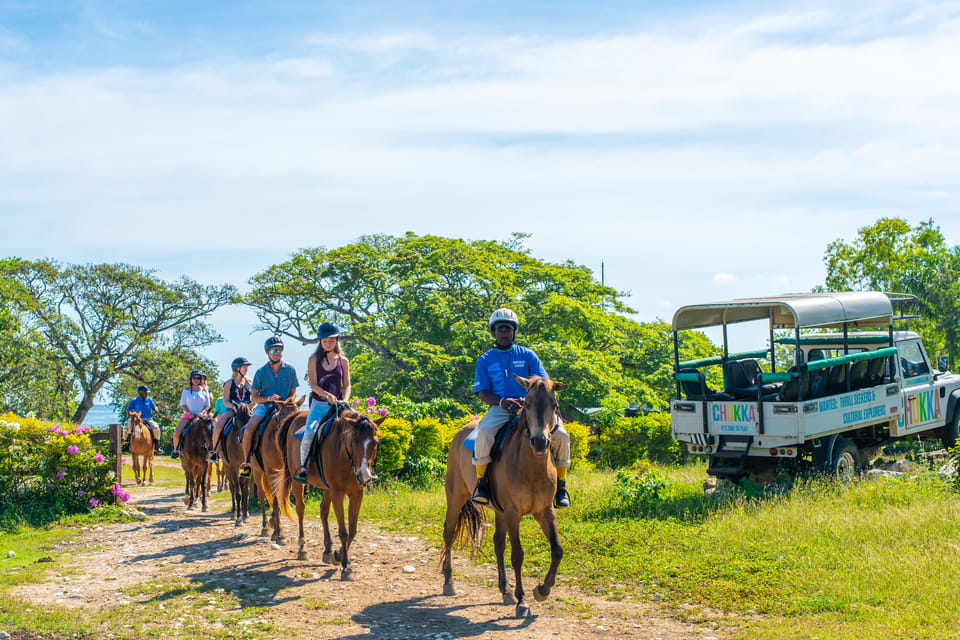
[
  {"x": 204, "y": 509},
  {"x": 540, "y": 595},
  {"x": 509, "y": 599},
  {"x": 449, "y": 589},
  {"x": 186, "y": 501},
  {"x": 302, "y": 555},
  {"x": 336, "y": 556},
  {"x": 523, "y": 611},
  {"x": 346, "y": 575},
  {"x": 328, "y": 558},
  {"x": 264, "y": 532}
]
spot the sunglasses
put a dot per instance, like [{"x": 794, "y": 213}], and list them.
[
  {"x": 275, "y": 350},
  {"x": 196, "y": 378}
]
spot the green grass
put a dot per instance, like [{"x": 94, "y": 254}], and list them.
[{"x": 864, "y": 560}]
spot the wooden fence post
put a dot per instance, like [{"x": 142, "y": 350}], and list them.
[{"x": 116, "y": 446}]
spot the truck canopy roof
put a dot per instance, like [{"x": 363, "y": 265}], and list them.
[{"x": 853, "y": 308}]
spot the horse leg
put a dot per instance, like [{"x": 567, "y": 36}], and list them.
[
  {"x": 499, "y": 548},
  {"x": 136, "y": 468},
  {"x": 244, "y": 496},
  {"x": 325, "y": 518},
  {"x": 186, "y": 492},
  {"x": 343, "y": 534},
  {"x": 516, "y": 560},
  {"x": 275, "y": 521},
  {"x": 301, "y": 507},
  {"x": 548, "y": 523},
  {"x": 150, "y": 464},
  {"x": 262, "y": 500},
  {"x": 204, "y": 487},
  {"x": 353, "y": 522}
]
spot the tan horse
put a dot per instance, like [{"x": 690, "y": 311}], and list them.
[
  {"x": 270, "y": 463},
  {"x": 193, "y": 458},
  {"x": 523, "y": 481},
  {"x": 347, "y": 454},
  {"x": 141, "y": 449}
]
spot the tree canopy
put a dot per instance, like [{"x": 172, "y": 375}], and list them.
[
  {"x": 99, "y": 319},
  {"x": 414, "y": 310},
  {"x": 892, "y": 256}
]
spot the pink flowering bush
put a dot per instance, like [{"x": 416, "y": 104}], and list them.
[{"x": 49, "y": 470}]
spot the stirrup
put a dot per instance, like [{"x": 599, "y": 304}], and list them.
[
  {"x": 562, "y": 499},
  {"x": 302, "y": 475},
  {"x": 481, "y": 494},
  {"x": 175, "y": 454},
  {"x": 212, "y": 457},
  {"x": 245, "y": 470}
]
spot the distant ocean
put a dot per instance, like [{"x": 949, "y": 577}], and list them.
[{"x": 101, "y": 415}]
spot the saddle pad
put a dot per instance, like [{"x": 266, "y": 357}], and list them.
[
  {"x": 299, "y": 432},
  {"x": 470, "y": 442},
  {"x": 226, "y": 429}
]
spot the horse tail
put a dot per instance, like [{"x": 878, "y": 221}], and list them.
[
  {"x": 282, "y": 483},
  {"x": 470, "y": 526}
]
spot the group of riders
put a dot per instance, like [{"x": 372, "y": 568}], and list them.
[{"x": 328, "y": 372}]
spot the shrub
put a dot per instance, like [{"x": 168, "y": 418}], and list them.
[
  {"x": 422, "y": 473},
  {"x": 626, "y": 440},
  {"x": 396, "y": 435},
  {"x": 427, "y": 440},
  {"x": 579, "y": 442},
  {"x": 48, "y": 470},
  {"x": 443, "y": 409},
  {"x": 640, "y": 493}
]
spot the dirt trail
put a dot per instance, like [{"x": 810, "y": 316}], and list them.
[{"x": 246, "y": 581}]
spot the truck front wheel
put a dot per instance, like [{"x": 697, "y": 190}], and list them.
[{"x": 951, "y": 431}]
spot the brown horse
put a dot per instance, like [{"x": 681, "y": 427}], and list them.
[
  {"x": 523, "y": 481},
  {"x": 347, "y": 453},
  {"x": 230, "y": 449},
  {"x": 194, "y": 445},
  {"x": 141, "y": 449},
  {"x": 270, "y": 463}
]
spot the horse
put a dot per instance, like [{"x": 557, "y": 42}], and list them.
[
  {"x": 194, "y": 446},
  {"x": 347, "y": 454},
  {"x": 523, "y": 481},
  {"x": 230, "y": 450},
  {"x": 270, "y": 462},
  {"x": 141, "y": 449}
]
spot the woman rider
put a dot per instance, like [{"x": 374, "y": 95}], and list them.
[
  {"x": 236, "y": 391},
  {"x": 194, "y": 401},
  {"x": 329, "y": 373}
]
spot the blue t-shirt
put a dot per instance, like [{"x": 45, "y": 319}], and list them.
[
  {"x": 495, "y": 370},
  {"x": 145, "y": 406},
  {"x": 282, "y": 383}
]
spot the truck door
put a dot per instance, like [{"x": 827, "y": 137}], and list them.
[{"x": 921, "y": 406}]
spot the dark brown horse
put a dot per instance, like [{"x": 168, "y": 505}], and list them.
[
  {"x": 523, "y": 481},
  {"x": 230, "y": 450},
  {"x": 267, "y": 461},
  {"x": 194, "y": 444},
  {"x": 347, "y": 453}
]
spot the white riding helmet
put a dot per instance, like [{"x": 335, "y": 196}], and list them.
[{"x": 503, "y": 316}]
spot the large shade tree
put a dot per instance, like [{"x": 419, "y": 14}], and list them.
[
  {"x": 890, "y": 255},
  {"x": 415, "y": 312},
  {"x": 98, "y": 319}
]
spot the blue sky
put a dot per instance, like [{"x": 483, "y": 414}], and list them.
[{"x": 699, "y": 150}]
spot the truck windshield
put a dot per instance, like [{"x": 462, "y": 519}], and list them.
[{"x": 911, "y": 359}]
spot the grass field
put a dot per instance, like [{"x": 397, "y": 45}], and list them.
[{"x": 860, "y": 561}]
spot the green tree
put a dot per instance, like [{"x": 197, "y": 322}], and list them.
[
  {"x": 100, "y": 318},
  {"x": 165, "y": 372},
  {"x": 890, "y": 255},
  {"x": 415, "y": 308}
]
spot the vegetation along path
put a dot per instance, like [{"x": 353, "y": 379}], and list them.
[{"x": 190, "y": 574}]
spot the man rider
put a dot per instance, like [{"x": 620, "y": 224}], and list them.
[
  {"x": 273, "y": 382},
  {"x": 146, "y": 407},
  {"x": 495, "y": 385}
]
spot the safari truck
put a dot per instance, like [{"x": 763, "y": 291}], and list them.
[{"x": 833, "y": 384}]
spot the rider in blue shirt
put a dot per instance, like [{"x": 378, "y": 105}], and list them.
[
  {"x": 273, "y": 382},
  {"x": 145, "y": 406},
  {"x": 495, "y": 385}
]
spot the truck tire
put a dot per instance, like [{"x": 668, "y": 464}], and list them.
[
  {"x": 845, "y": 462},
  {"x": 951, "y": 431}
]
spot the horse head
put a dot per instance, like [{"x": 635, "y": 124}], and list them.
[
  {"x": 241, "y": 415},
  {"x": 135, "y": 420},
  {"x": 205, "y": 420},
  {"x": 289, "y": 406},
  {"x": 540, "y": 411},
  {"x": 361, "y": 443}
]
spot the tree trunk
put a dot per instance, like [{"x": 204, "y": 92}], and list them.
[{"x": 86, "y": 403}]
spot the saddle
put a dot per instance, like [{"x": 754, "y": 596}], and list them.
[
  {"x": 470, "y": 442},
  {"x": 326, "y": 423},
  {"x": 258, "y": 436}
]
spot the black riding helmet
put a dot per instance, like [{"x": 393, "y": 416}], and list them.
[
  {"x": 273, "y": 341},
  {"x": 143, "y": 387},
  {"x": 196, "y": 372},
  {"x": 239, "y": 362},
  {"x": 328, "y": 330}
]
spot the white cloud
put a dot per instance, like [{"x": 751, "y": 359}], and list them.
[{"x": 723, "y": 278}]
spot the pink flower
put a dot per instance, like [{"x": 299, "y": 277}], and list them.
[
  {"x": 94, "y": 502},
  {"x": 61, "y": 473},
  {"x": 80, "y": 493},
  {"x": 354, "y": 403},
  {"x": 119, "y": 491},
  {"x": 371, "y": 402},
  {"x": 382, "y": 412},
  {"x": 98, "y": 457},
  {"x": 72, "y": 449}
]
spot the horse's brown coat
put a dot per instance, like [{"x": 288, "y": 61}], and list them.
[
  {"x": 193, "y": 459},
  {"x": 524, "y": 481},
  {"x": 352, "y": 436},
  {"x": 141, "y": 449}
]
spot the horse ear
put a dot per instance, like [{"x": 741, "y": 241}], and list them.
[
  {"x": 558, "y": 386},
  {"x": 379, "y": 421},
  {"x": 300, "y": 401},
  {"x": 524, "y": 381}
]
